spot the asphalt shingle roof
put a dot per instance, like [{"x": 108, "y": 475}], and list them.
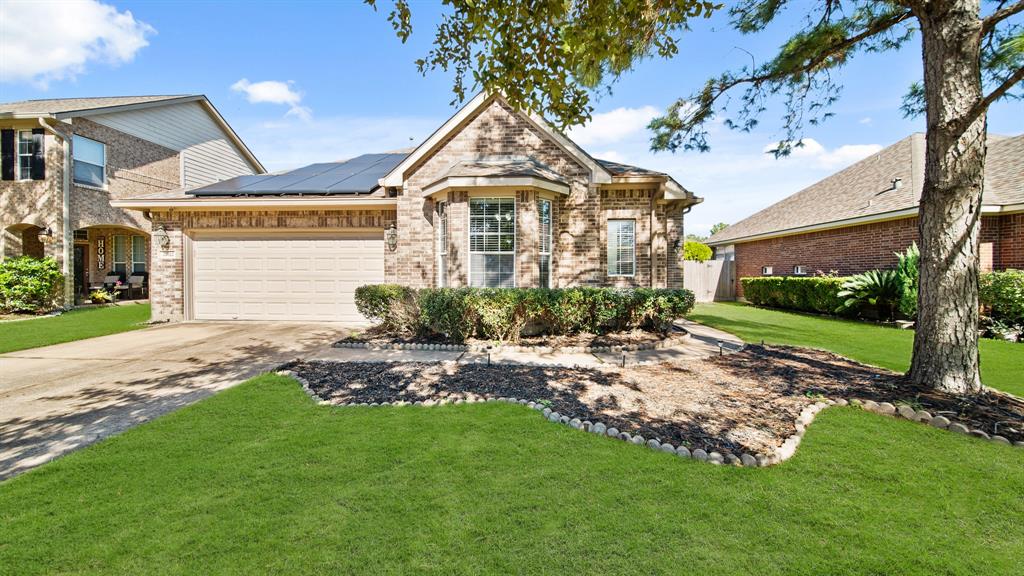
[
  {"x": 866, "y": 189},
  {"x": 64, "y": 105}
]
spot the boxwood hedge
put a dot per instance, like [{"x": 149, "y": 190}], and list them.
[
  {"x": 505, "y": 314},
  {"x": 805, "y": 293}
]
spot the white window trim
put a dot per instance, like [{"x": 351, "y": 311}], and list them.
[
  {"x": 515, "y": 238},
  {"x": 799, "y": 270},
  {"x": 551, "y": 225},
  {"x": 442, "y": 232},
  {"x": 607, "y": 247},
  {"x": 103, "y": 167},
  {"x": 766, "y": 270},
  {"x": 18, "y": 155}
]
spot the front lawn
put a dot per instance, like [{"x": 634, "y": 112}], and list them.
[
  {"x": 869, "y": 343},
  {"x": 259, "y": 479},
  {"x": 74, "y": 325}
]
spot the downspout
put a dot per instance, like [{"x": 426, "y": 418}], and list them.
[{"x": 67, "y": 267}]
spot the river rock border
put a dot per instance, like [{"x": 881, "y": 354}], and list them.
[
  {"x": 780, "y": 454},
  {"x": 484, "y": 348}
]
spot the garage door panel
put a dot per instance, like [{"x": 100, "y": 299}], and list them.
[{"x": 284, "y": 278}]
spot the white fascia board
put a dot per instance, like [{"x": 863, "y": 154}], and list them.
[
  {"x": 306, "y": 203},
  {"x": 493, "y": 182},
  {"x": 394, "y": 178}
]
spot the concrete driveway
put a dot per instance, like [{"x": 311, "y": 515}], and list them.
[{"x": 59, "y": 398}]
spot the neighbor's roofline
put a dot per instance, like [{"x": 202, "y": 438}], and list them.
[
  {"x": 858, "y": 221},
  {"x": 201, "y": 98},
  {"x": 396, "y": 177}
]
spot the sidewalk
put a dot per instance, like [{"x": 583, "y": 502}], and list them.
[{"x": 703, "y": 342}]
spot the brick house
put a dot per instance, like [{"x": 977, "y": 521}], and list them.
[
  {"x": 495, "y": 197},
  {"x": 856, "y": 219},
  {"x": 63, "y": 161}
]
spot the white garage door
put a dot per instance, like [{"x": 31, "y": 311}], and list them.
[{"x": 276, "y": 277}]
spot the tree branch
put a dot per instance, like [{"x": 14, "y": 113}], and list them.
[
  {"x": 990, "y": 21},
  {"x": 876, "y": 28},
  {"x": 994, "y": 95}
]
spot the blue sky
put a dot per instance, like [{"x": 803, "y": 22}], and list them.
[{"x": 335, "y": 82}]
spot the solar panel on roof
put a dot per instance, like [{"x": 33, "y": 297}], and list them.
[{"x": 358, "y": 175}]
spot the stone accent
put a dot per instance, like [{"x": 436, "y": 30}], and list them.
[{"x": 855, "y": 249}]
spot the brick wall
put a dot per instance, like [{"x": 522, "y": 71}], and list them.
[{"x": 856, "y": 249}]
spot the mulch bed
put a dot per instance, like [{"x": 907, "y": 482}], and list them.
[
  {"x": 376, "y": 336},
  {"x": 743, "y": 402}
]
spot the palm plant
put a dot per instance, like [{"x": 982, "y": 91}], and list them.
[
  {"x": 879, "y": 288},
  {"x": 908, "y": 269}
]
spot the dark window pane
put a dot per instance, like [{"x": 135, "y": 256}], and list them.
[{"x": 88, "y": 174}]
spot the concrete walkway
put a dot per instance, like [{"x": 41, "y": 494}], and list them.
[
  {"x": 703, "y": 342},
  {"x": 59, "y": 398}
]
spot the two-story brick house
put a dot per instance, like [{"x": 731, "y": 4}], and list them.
[
  {"x": 62, "y": 162},
  {"x": 495, "y": 198}
]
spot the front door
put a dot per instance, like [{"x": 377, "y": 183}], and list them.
[{"x": 81, "y": 268}]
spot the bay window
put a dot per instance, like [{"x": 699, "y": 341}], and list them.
[
  {"x": 621, "y": 247},
  {"x": 544, "y": 247},
  {"x": 492, "y": 242}
]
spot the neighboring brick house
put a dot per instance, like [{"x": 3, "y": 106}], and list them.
[
  {"x": 856, "y": 219},
  {"x": 62, "y": 161},
  {"x": 495, "y": 197}
]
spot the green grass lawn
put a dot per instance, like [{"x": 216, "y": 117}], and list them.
[
  {"x": 74, "y": 325},
  {"x": 1001, "y": 362},
  {"x": 259, "y": 479}
]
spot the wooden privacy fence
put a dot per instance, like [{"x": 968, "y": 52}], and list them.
[{"x": 711, "y": 280}]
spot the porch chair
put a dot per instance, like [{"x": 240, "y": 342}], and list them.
[{"x": 137, "y": 281}]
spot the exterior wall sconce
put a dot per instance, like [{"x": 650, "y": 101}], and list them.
[
  {"x": 46, "y": 234},
  {"x": 391, "y": 237},
  {"x": 161, "y": 237}
]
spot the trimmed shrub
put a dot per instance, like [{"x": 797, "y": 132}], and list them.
[
  {"x": 503, "y": 313},
  {"x": 30, "y": 284},
  {"x": 696, "y": 251},
  {"x": 1002, "y": 296},
  {"x": 817, "y": 294},
  {"x": 391, "y": 305},
  {"x": 447, "y": 312}
]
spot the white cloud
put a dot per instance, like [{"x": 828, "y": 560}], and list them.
[
  {"x": 613, "y": 126},
  {"x": 865, "y": 120},
  {"x": 274, "y": 92},
  {"x": 841, "y": 157},
  {"x": 47, "y": 41}
]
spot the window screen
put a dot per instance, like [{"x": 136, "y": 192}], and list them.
[
  {"x": 621, "y": 247},
  {"x": 492, "y": 242}
]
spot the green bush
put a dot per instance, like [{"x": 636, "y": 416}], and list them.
[
  {"x": 1002, "y": 296},
  {"x": 908, "y": 270},
  {"x": 503, "y": 313},
  {"x": 30, "y": 284},
  {"x": 880, "y": 290},
  {"x": 817, "y": 294},
  {"x": 696, "y": 251},
  {"x": 391, "y": 305}
]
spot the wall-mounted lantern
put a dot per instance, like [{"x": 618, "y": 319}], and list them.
[
  {"x": 46, "y": 234},
  {"x": 391, "y": 237},
  {"x": 161, "y": 238}
]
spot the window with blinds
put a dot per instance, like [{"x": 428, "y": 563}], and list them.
[
  {"x": 441, "y": 231},
  {"x": 544, "y": 243},
  {"x": 621, "y": 247},
  {"x": 492, "y": 242}
]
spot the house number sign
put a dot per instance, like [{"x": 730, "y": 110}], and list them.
[{"x": 101, "y": 253}]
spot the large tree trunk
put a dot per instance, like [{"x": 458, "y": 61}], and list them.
[{"x": 946, "y": 339}]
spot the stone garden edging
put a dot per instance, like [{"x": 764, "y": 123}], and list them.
[
  {"x": 484, "y": 348},
  {"x": 780, "y": 454}
]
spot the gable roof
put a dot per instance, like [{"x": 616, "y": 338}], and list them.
[
  {"x": 866, "y": 192},
  {"x": 396, "y": 177},
  {"x": 64, "y": 108},
  {"x": 356, "y": 176}
]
